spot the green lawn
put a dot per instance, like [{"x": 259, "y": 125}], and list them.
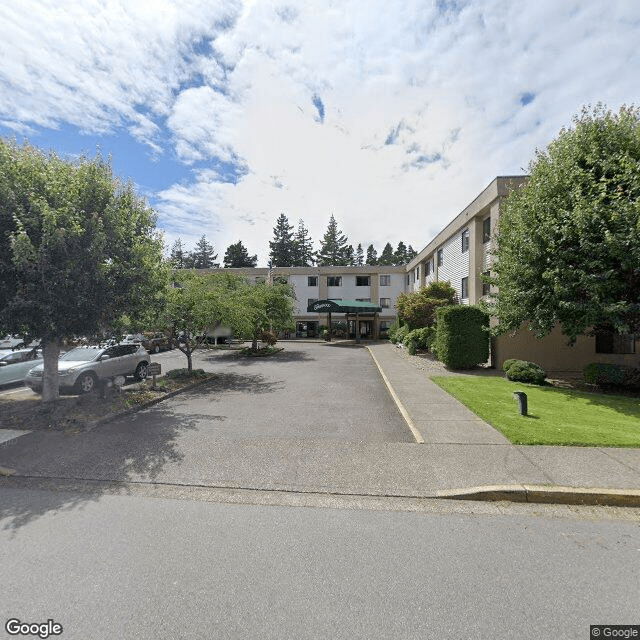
[{"x": 556, "y": 416}]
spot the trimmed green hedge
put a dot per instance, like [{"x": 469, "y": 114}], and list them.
[
  {"x": 604, "y": 374},
  {"x": 462, "y": 336},
  {"x": 523, "y": 371},
  {"x": 419, "y": 339}
]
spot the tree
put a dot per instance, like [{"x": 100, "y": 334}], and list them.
[
  {"x": 387, "y": 257},
  {"x": 78, "y": 248},
  {"x": 411, "y": 253},
  {"x": 400, "y": 254},
  {"x": 333, "y": 249},
  {"x": 282, "y": 248},
  {"x": 178, "y": 256},
  {"x": 268, "y": 306},
  {"x": 418, "y": 309},
  {"x": 372, "y": 255},
  {"x": 237, "y": 256},
  {"x": 349, "y": 255},
  {"x": 203, "y": 256},
  {"x": 359, "y": 259},
  {"x": 568, "y": 250},
  {"x": 304, "y": 255},
  {"x": 201, "y": 302}
]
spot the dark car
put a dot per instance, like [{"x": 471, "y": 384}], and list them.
[{"x": 155, "y": 342}]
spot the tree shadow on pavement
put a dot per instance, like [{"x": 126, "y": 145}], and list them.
[
  {"x": 70, "y": 469},
  {"x": 237, "y": 358}
]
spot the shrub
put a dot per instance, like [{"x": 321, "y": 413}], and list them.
[
  {"x": 391, "y": 332},
  {"x": 507, "y": 363},
  {"x": 603, "y": 374},
  {"x": 401, "y": 333},
  {"x": 522, "y": 371},
  {"x": 462, "y": 336},
  {"x": 268, "y": 337},
  {"x": 419, "y": 339},
  {"x": 631, "y": 379},
  {"x": 418, "y": 309}
]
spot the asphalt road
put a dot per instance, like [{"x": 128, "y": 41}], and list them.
[{"x": 135, "y": 566}]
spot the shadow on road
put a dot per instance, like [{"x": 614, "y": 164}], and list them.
[{"x": 237, "y": 358}]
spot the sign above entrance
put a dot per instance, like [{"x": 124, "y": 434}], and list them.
[{"x": 343, "y": 306}]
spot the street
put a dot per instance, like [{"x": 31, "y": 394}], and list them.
[{"x": 144, "y": 566}]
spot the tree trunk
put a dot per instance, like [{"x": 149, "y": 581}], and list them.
[
  {"x": 189, "y": 362},
  {"x": 50, "y": 380}
]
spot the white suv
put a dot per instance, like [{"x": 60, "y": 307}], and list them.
[{"x": 82, "y": 368}]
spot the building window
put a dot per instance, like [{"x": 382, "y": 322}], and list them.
[
  {"x": 408, "y": 278},
  {"x": 465, "y": 288},
  {"x": 363, "y": 281},
  {"x": 334, "y": 281},
  {"x": 612, "y": 342},
  {"x": 385, "y": 281},
  {"x": 310, "y": 301},
  {"x": 486, "y": 287},
  {"x": 486, "y": 230},
  {"x": 427, "y": 268},
  {"x": 385, "y": 303},
  {"x": 440, "y": 257},
  {"x": 465, "y": 241},
  {"x": 418, "y": 272},
  {"x": 312, "y": 281},
  {"x": 363, "y": 299}
]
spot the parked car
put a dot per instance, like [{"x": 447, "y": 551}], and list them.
[
  {"x": 81, "y": 369},
  {"x": 14, "y": 365},
  {"x": 133, "y": 338},
  {"x": 12, "y": 342},
  {"x": 155, "y": 342}
]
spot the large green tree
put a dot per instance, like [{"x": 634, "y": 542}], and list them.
[
  {"x": 303, "y": 253},
  {"x": 372, "y": 255},
  {"x": 237, "y": 256},
  {"x": 418, "y": 309},
  {"x": 78, "y": 248},
  {"x": 568, "y": 249},
  {"x": 387, "y": 256},
  {"x": 203, "y": 256},
  {"x": 334, "y": 248},
  {"x": 282, "y": 248}
]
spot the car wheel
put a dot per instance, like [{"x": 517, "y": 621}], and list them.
[
  {"x": 156, "y": 349},
  {"x": 141, "y": 371},
  {"x": 86, "y": 383}
]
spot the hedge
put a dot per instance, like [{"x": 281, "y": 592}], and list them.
[{"x": 462, "y": 336}]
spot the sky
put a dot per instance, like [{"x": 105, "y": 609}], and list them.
[{"x": 391, "y": 115}]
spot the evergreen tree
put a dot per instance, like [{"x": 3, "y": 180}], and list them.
[
  {"x": 237, "y": 256},
  {"x": 203, "y": 256},
  {"x": 372, "y": 255},
  {"x": 178, "y": 255},
  {"x": 333, "y": 249},
  {"x": 304, "y": 255},
  {"x": 387, "y": 256},
  {"x": 411, "y": 253},
  {"x": 282, "y": 247},
  {"x": 359, "y": 260},
  {"x": 400, "y": 255},
  {"x": 349, "y": 255}
]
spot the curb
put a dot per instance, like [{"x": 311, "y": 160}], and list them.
[
  {"x": 91, "y": 425},
  {"x": 542, "y": 494}
]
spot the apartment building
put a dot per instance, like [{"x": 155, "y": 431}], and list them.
[{"x": 380, "y": 285}]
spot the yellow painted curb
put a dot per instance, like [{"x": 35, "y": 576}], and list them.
[{"x": 407, "y": 418}]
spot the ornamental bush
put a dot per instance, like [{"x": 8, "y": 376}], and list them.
[
  {"x": 523, "y": 371},
  {"x": 603, "y": 374},
  {"x": 507, "y": 363},
  {"x": 419, "y": 339},
  {"x": 462, "y": 336}
]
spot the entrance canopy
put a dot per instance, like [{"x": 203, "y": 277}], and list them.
[{"x": 343, "y": 306}]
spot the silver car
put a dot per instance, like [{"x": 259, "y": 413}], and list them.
[
  {"x": 81, "y": 369},
  {"x": 14, "y": 365}
]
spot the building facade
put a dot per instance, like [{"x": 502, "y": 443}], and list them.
[{"x": 460, "y": 254}]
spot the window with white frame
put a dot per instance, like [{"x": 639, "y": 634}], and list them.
[
  {"x": 440, "y": 257},
  {"x": 385, "y": 281},
  {"x": 334, "y": 281},
  {"x": 312, "y": 281},
  {"x": 427, "y": 268},
  {"x": 486, "y": 230},
  {"x": 385, "y": 303},
  {"x": 465, "y": 240}
]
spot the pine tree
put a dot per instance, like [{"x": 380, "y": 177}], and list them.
[
  {"x": 333, "y": 246},
  {"x": 387, "y": 257},
  {"x": 178, "y": 256},
  {"x": 372, "y": 255},
  {"x": 411, "y": 253},
  {"x": 349, "y": 255},
  {"x": 203, "y": 256},
  {"x": 282, "y": 248},
  {"x": 237, "y": 256},
  {"x": 304, "y": 255},
  {"x": 400, "y": 255},
  {"x": 359, "y": 255}
]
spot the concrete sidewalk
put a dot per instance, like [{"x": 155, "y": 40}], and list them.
[{"x": 482, "y": 462}]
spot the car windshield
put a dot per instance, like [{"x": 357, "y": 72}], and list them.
[{"x": 81, "y": 354}]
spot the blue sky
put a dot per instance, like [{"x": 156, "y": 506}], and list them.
[{"x": 391, "y": 115}]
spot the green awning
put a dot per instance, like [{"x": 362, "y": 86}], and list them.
[{"x": 343, "y": 306}]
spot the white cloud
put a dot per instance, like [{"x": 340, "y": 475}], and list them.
[{"x": 235, "y": 82}]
